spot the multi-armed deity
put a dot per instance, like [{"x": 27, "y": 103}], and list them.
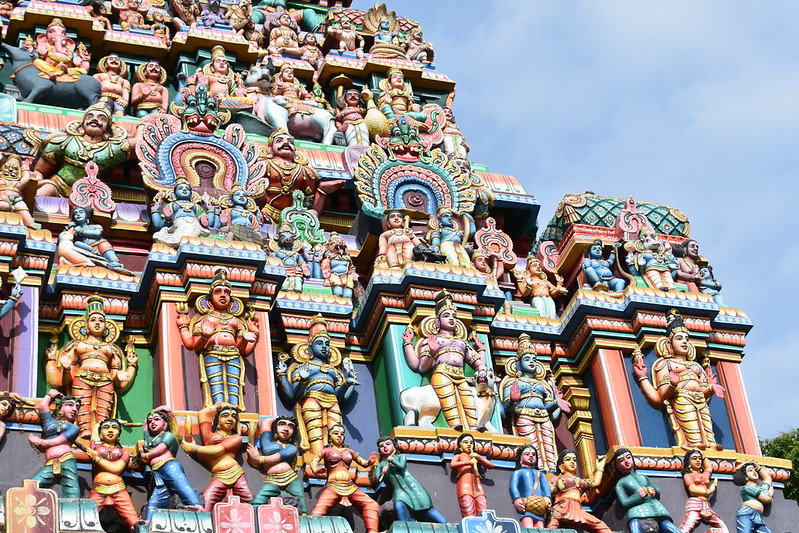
[
  {"x": 223, "y": 333},
  {"x": 532, "y": 401},
  {"x": 649, "y": 258},
  {"x": 445, "y": 349},
  {"x": 680, "y": 385},
  {"x": 315, "y": 380},
  {"x": 91, "y": 367}
]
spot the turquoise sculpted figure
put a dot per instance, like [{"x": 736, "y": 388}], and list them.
[{"x": 640, "y": 497}]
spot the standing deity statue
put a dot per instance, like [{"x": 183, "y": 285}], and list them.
[
  {"x": 350, "y": 115},
  {"x": 335, "y": 460},
  {"x": 65, "y": 154},
  {"x": 59, "y": 433},
  {"x": 757, "y": 491},
  {"x": 696, "y": 471},
  {"x": 221, "y": 437},
  {"x": 680, "y": 386},
  {"x": 444, "y": 350},
  {"x": 411, "y": 499},
  {"x": 533, "y": 283},
  {"x": 598, "y": 271},
  {"x": 568, "y": 489},
  {"x": 337, "y": 268},
  {"x": 13, "y": 180},
  {"x": 91, "y": 367},
  {"x": 466, "y": 465},
  {"x": 222, "y": 339},
  {"x": 317, "y": 381},
  {"x": 532, "y": 402},
  {"x": 287, "y": 249},
  {"x": 112, "y": 73},
  {"x": 110, "y": 461},
  {"x": 650, "y": 258},
  {"x": 149, "y": 94},
  {"x": 454, "y": 144},
  {"x": 276, "y": 457},
  {"x": 158, "y": 450},
  {"x": 177, "y": 214}
]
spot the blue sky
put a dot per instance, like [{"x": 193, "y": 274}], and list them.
[{"x": 689, "y": 104}]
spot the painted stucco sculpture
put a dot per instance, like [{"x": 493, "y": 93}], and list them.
[
  {"x": 316, "y": 383},
  {"x": 222, "y": 333},
  {"x": 680, "y": 385},
  {"x": 91, "y": 367},
  {"x": 444, "y": 349}
]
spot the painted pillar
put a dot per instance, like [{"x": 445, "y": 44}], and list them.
[
  {"x": 614, "y": 398},
  {"x": 25, "y": 343},
  {"x": 262, "y": 357},
  {"x": 168, "y": 360},
  {"x": 738, "y": 408},
  {"x": 579, "y": 422}
]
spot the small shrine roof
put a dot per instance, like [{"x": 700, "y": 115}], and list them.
[{"x": 602, "y": 211}]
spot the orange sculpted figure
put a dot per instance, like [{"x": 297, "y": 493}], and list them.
[
  {"x": 92, "y": 367},
  {"x": 335, "y": 461},
  {"x": 568, "y": 489},
  {"x": 466, "y": 464},
  {"x": 221, "y": 441}
]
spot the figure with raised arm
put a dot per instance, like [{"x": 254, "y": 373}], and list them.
[
  {"x": 757, "y": 491},
  {"x": 444, "y": 350},
  {"x": 449, "y": 236},
  {"x": 568, "y": 489},
  {"x": 598, "y": 270},
  {"x": 275, "y": 455},
  {"x": 59, "y": 433},
  {"x": 411, "y": 500},
  {"x": 696, "y": 471},
  {"x": 395, "y": 246},
  {"x": 159, "y": 450},
  {"x": 533, "y": 283},
  {"x": 315, "y": 381},
  {"x": 221, "y": 437},
  {"x": 110, "y": 462},
  {"x": 466, "y": 464},
  {"x": 680, "y": 385},
  {"x": 649, "y": 258},
  {"x": 531, "y": 401},
  {"x": 222, "y": 339},
  {"x": 92, "y": 367},
  {"x": 335, "y": 461}
]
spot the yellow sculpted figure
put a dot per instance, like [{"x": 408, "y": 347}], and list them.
[
  {"x": 445, "y": 349},
  {"x": 91, "y": 367},
  {"x": 680, "y": 385}
]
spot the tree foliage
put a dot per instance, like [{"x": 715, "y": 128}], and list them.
[{"x": 785, "y": 446}]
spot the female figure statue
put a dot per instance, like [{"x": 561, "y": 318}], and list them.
[
  {"x": 696, "y": 470},
  {"x": 110, "y": 462},
  {"x": 335, "y": 460},
  {"x": 680, "y": 385},
  {"x": 222, "y": 339},
  {"x": 757, "y": 491},
  {"x": 532, "y": 402},
  {"x": 91, "y": 367},
  {"x": 533, "y": 283},
  {"x": 317, "y": 385},
  {"x": 221, "y": 438},
  {"x": 444, "y": 350},
  {"x": 568, "y": 488},
  {"x": 467, "y": 463}
]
